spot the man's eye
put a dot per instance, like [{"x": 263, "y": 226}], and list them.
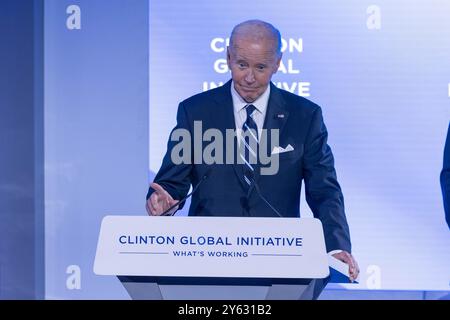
[
  {"x": 260, "y": 67},
  {"x": 241, "y": 65}
]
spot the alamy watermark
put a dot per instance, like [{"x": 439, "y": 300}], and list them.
[{"x": 208, "y": 147}]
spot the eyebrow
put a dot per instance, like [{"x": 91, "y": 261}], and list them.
[{"x": 265, "y": 64}]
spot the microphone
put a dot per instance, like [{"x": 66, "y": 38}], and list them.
[
  {"x": 263, "y": 198},
  {"x": 166, "y": 213}
]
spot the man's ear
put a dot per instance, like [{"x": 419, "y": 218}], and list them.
[
  {"x": 228, "y": 57},
  {"x": 278, "y": 62}
]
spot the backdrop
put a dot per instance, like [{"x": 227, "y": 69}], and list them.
[{"x": 379, "y": 70}]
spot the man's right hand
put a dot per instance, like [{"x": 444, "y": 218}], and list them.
[{"x": 160, "y": 201}]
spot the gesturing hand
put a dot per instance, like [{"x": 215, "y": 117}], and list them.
[{"x": 160, "y": 201}]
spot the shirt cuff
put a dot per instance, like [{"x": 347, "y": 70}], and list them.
[{"x": 334, "y": 251}]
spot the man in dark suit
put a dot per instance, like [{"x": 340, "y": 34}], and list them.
[
  {"x": 250, "y": 102},
  {"x": 445, "y": 178}
]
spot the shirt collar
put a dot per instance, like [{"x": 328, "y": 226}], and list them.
[{"x": 260, "y": 103}]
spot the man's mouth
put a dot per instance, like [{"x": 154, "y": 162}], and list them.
[{"x": 248, "y": 89}]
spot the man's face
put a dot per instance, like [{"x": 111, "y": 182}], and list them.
[{"x": 252, "y": 64}]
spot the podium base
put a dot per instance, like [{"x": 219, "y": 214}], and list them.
[{"x": 149, "y": 288}]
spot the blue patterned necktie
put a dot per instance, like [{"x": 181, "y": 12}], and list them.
[{"x": 249, "y": 144}]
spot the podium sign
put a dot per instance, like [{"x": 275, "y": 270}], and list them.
[{"x": 223, "y": 247}]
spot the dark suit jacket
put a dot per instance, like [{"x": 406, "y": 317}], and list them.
[
  {"x": 224, "y": 193},
  {"x": 445, "y": 178}
]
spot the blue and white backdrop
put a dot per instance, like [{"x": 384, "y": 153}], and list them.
[{"x": 116, "y": 70}]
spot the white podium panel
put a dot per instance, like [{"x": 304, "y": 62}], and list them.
[{"x": 224, "y": 247}]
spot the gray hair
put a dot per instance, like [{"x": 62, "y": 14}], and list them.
[{"x": 257, "y": 30}]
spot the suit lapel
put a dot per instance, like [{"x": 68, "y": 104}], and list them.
[
  {"x": 276, "y": 118},
  {"x": 227, "y": 121}
]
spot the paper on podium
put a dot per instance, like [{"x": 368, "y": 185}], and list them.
[{"x": 338, "y": 271}]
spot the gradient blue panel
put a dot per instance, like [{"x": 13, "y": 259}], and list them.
[
  {"x": 21, "y": 174},
  {"x": 96, "y": 135},
  {"x": 385, "y": 98}
]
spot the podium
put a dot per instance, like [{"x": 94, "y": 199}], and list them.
[{"x": 214, "y": 258}]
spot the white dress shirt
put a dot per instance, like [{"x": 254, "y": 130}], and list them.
[{"x": 240, "y": 114}]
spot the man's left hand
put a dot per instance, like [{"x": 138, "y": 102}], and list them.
[{"x": 353, "y": 268}]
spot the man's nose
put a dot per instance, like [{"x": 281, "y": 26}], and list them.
[{"x": 250, "y": 77}]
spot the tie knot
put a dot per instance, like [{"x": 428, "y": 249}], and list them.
[{"x": 250, "y": 109}]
